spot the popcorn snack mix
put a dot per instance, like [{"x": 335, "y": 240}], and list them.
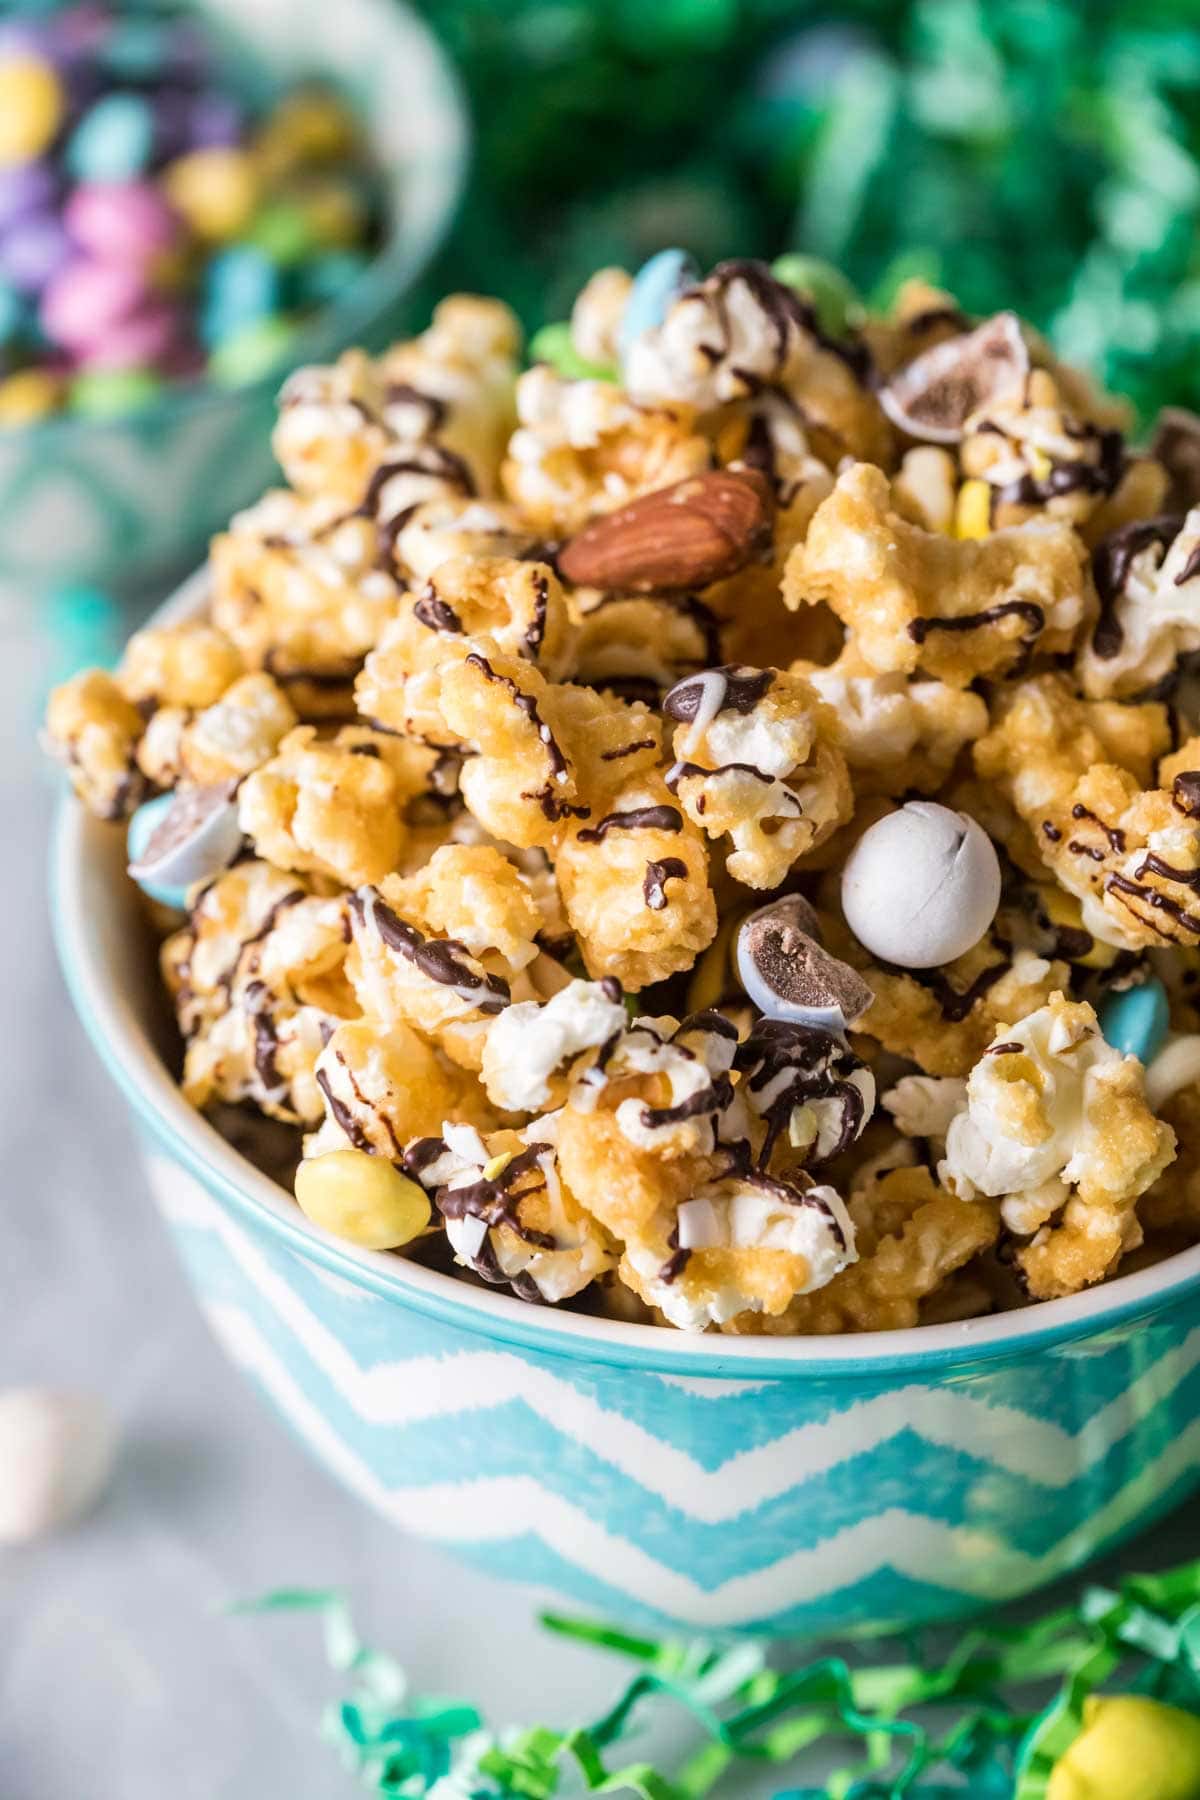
[{"x": 706, "y": 829}]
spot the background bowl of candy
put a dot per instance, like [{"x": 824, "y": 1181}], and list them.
[
  {"x": 791, "y": 1486},
  {"x": 131, "y": 481}
]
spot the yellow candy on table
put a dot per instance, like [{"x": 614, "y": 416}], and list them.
[
  {"x": 362, "y": 1198},
  {"x": 973, "y": 511},
  {"x": 31, "y": 108},
  {"x": 335, "y": 213},
  {"x": 1130, "y": 1748},
  {"x": 215, "y": 191},
  {"x": 28, "y": 396}
]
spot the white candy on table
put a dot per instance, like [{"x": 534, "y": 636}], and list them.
[
  {"x": 921, "y": 886},
  {"x": 57, "y": 1449}
]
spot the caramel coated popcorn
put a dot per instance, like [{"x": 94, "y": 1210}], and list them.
[{"x": 713, "y": 838}]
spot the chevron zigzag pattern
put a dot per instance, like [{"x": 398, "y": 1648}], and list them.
[{"x": 570, "y": 1483}]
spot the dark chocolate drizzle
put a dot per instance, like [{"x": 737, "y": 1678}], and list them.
[
  {"x": 443, "y": 960},
  {"x": 1112, "y": 560},
  {"x": 435, "y": 613},
  {"x": 654, "y": 882},
  {"x": 818, "y": 1066},
  {"x": 638, "y": 818},
  {"x": 1033, "y": 615},
  {"x": 551, "y": 804}
]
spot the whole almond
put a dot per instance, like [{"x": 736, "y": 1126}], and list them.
[{"x": 684, "y": 536}]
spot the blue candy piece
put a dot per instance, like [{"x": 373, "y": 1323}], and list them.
[
  {"x": 655, "y": 286},
  {"x": 325, "y": 277},
  {"x": 1135, "y": 1020},
  {"x": 113, "y": 141},
  {"x": 241, "y": 286},
  {"x": 13, "y": 314}
]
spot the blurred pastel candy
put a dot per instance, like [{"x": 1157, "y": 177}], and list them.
[
  {"x": 87, "y": 298},
  {"x": 655, "y": 286},
  {"x": 57, "y": 1450},
  {"x": 114, "y": 139},
  {"x": 833, "y": 299},
  {"x": 29, "y": 395},
  {"x": 282, "y": 228},
  {"x": 32, "y": 104},
  {"x": 325, "y": 277},
  {"x": 214, "y": 121},
  {"x": 179, "y": 839},
  {"x": 12, "y": 314},
  {"x": 28, "y": 187},
  {"x": 112, "y": 393},
  {"x": 145, "y": 338},
  {"x": 253, "y": 352},
  {"x": 241, "y": 285},
  {"x": 336, "y": 212},
  {"x": 32, "y": 251},
  {"x": 215, "y": 191},
  {"x": 308, "y": 127},
  {"x": 554, "y": 345},
  {"x": 121, "y": 220},
  {"x": 137, "y": 48},
  {"x": 1130, "y": 1748}
]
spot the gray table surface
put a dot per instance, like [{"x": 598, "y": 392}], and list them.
[{"x": 119, "y": 1676}]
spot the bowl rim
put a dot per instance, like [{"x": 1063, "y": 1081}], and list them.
[
  {"x": 394, "y": 268},
  {"x": 77, "y": 895}
]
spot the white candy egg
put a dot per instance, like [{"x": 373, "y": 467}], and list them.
[
  {"x": 57, "y": 1450},
  {"x": 921, "y": 886}
]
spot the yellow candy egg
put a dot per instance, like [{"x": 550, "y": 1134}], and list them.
[
  {"x": 1130, "y": 1748},
  {"x": 973, "y": 512},
  {"x": 215, "y": 191},
  {"x": 362, "y": 1198},
  {"x": 29, "y": 395},
  {"x": 335, "y": 213},
  {"x": 306, "y": 128},
  {"x": 31, "y": 108}
]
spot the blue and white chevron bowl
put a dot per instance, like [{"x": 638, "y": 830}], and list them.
[{"x": 785, "y": 1486}]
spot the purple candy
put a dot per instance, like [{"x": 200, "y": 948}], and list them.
[
  {"x": 88, "y": 299},
  {"x": 121, "y": 220},
  {"x": 215, "y": 122},
  {"x": 140, "y": 342},
  {"x": 32, "y": 251},
  {"x": 25, "y": 188}
]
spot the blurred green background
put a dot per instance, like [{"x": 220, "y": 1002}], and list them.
[{"x": 1029, "y": 152}]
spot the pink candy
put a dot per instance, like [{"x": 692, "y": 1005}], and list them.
[
  {"x": 87, "y": 298},
  {"x": 142, "y": 340},
  {"x": 121, "y": 221}
]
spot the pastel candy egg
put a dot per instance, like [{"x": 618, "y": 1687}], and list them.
[
  {"x": 114, "y": 139},
  {"x": 655, "y": 286},
  {"x": 554, "y": 345},
  {"x": 241, "y": 285},
  {"x": 32, "y": 251},
  {"x": 57, "y": 1451},
  {"x": 362, "y": 1198},
  {"x": 921, "y": 886},
  {"x": 309, "y": 127},
  {"x": 12, "y": 314},
  {"x": 214, "y": 120},
  {"x": 283, "y": 230},
  {"x": 834, "y": 300},
  {"x": 252, "y": 352},
  {"x": 136, "y": 49},
  {"x": 325, "y": 277},
  {"x": 1130, "y": 1748},
  {"x": 29, "y": 395},
  {"x": 121, "y": 221},
  {"x": 335, "y": 211},
  {"x": 87, "y": 298},
  {"x": 112, "y": 393},
  {"x": 145, "y": 338},
  {"x": 31, "y": 108},
  {"x": 1135, "y": 1020},
  {"x": 25, "y": 188},
  {"x": 179, "y": 839},
  {"x": 215, "y": 190}
]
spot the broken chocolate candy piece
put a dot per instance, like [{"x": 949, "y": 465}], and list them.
[
  {"x": 193, "y": 835},
  {"x": 934, "y": 396},
  {"x": 788, "y": 975}
]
